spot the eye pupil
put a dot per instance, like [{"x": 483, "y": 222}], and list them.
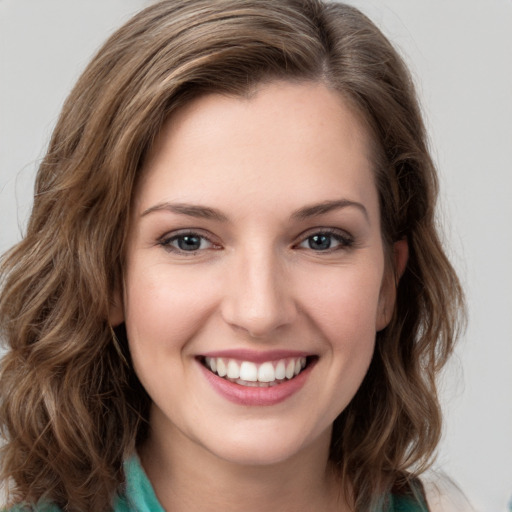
[
  {"x": 189, "y": 243},
  {"x": 320, "y": 242}
]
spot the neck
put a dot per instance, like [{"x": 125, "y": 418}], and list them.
[{"x": 187, "y": 477}]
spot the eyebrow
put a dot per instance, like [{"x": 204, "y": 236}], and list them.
[
  {"x": 205, "y": 212},
  {"x": 327, "y": 206},
  {"x": 202, "y": 212}
]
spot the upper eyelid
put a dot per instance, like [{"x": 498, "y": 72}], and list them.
[
  {"x": 166, "y": 241},
  {"x": 184, "y": 232},
  {"x": 344, "y": 239},
  {"x": 324, "y": 230},
  {"x": 173, "y": 234}
]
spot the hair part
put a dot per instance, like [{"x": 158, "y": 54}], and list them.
[{"x": 71, "y": 407}]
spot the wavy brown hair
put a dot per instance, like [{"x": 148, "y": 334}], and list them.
[{"x": 71, "y": 408}]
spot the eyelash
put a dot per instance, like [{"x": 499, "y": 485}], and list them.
[
  {"x": 343, "y": 239},
  {"x": 166, "y": 242}
]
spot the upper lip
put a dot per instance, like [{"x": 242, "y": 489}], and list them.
[{"x": 256, "y": 356}]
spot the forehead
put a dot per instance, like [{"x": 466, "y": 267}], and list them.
[{"x": 300, "y": 140}]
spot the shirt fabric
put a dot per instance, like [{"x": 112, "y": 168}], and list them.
[{"x": 139, "y": 496}]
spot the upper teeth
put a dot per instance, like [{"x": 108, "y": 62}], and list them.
[{"x": 268, "y": 371}]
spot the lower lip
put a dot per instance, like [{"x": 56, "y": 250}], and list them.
[{"x": 253, "y": 396}]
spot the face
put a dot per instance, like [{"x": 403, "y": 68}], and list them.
[{"x": 255, "y": 278}]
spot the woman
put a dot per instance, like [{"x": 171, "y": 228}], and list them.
[{"x": 231, "y": 290}]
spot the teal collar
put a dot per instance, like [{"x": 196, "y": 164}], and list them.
[{"x": 138, "y": 495}]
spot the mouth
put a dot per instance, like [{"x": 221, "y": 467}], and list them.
[{"x": 261, "y": 375}]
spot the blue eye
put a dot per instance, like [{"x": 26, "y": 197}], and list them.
[
  {"x": 326, "y": 241},
  {"x": 186, "y": 242},
  {"x": 189, "y": 242},
  {"x": 320, "y": 242}
]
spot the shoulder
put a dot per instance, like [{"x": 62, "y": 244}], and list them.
[
  {"x": 137, "y": 495},
  {"x": 443, "y": 494},
  {"x": 433, "y": 492}
]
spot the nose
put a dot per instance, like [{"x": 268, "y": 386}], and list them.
[{"x": 258, "y": 298}]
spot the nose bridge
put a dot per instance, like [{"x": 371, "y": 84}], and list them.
[{"x": 258, "y": 299}]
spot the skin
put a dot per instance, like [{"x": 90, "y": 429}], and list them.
[{"x": 257, "y": 281}]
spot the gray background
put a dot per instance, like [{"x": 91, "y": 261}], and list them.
[{"x": 460, "y": 52}]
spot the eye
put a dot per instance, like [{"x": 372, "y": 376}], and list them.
[
  {"x": 326, "y": 241},
  {"x": 187, "y": 242}
]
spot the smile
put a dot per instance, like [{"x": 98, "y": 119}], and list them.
[
  {"x": 254, "y": 378},
  {"x": 251, "y": 374}
]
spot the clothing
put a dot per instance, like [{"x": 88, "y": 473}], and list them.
[
  {"x": 405, "y": 504},
  {"x": 139, "y": 496}
]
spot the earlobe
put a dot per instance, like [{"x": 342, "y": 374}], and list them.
[
  {"x": 116, "y": 310},
  {"x": 400, "y": 258},
  {"x": 390, "y": 283}
]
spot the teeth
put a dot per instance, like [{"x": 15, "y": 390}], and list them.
[
  {"x": 221, "y": 368},
  {"x": 280, "y": 370},
  {"x": 248, "y": 373},
  {"x": 256, "y": 384},
  {"x": 290, "y": 369},
  {"x": 266, "y": 373},
  {"x": 212, "y": 363},
  {"x": 233, "y": 369}
]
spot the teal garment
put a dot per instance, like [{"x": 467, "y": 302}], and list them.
[
  {"x": 406, "y": 504},
  {"x": 139, "y": 496}
]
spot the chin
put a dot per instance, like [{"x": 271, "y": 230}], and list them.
[
  {"x": 267, "y": 454},
  {"x": 267, "y": 446}
]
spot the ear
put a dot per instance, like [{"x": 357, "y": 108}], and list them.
[
  {"x": 116, "y": 309},
  {"x": 393, "y": 273}
]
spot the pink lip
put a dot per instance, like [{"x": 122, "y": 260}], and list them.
[
  {"x": 255, "y": 396},
  {"x": 256, "y": 356}
]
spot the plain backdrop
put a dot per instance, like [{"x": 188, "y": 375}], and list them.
[{"x": 460, "y": 53}]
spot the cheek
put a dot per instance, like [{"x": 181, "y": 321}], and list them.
[
  {"x": 164, "y": 307},
  {"x": 343, "y": 304}
]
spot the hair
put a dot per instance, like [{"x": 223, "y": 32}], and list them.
[{"x": 71, "y": 407}]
